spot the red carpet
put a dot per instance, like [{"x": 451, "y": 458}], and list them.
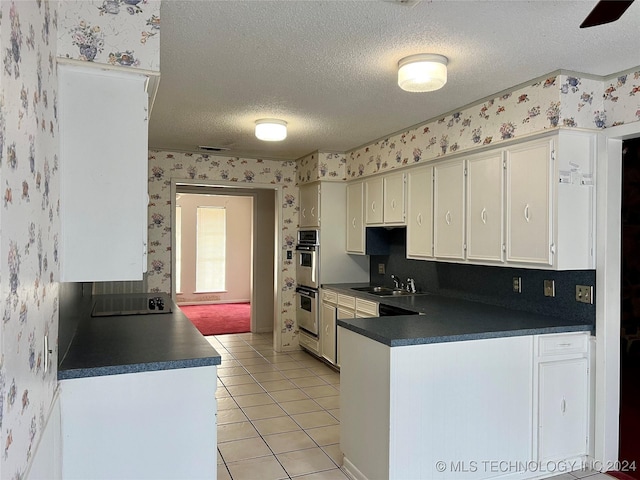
[{"x": 220, "y": 318}]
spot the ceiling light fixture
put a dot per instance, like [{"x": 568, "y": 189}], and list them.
[
  {"x": 424, "y": 72},
  {"x": 271, "y": 129}
]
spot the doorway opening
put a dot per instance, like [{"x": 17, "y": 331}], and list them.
[
  {"x": 228, "y": 234},
  {"x": 214, "y": 256},
  {"x": 629, "y": 441}
]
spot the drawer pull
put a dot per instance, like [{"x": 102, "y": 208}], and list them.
[
  {"x": 419, "y": 219},
  {"x": 483, "y": 216},
  {"x": 447, "y": 217},
  {"x": 526, "y": 213},
  {"x": 563, "y": 406},
  {"x": 564, "y": 344}
]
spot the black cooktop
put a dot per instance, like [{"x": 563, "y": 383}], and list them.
[{"x": 134, "y": 304}]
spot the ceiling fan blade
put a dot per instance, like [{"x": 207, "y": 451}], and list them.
[{"x": 606, "y": 11}]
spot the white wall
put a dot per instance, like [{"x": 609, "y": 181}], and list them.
[{"x": 238, "y": 247}]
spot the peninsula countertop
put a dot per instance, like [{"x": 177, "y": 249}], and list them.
[
  {"x": 441, "y": 319},
  {"x": 111, "y": 345}
]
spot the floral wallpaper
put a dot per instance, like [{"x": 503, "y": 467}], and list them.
[
  {"x": 117, "y": 32},
  {"x": 164, "y": 166},
  {"x": 558, "y": 100},
  {"x": 321, "y": 166},
  {"x": 622, "y": 98},
  {"x": 29, "y": 220}
]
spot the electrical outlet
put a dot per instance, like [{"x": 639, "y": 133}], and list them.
[
  {"x": 549, "y": 288},
  {"x": 381, "y": 268},
  {"x": 289, "y": 255},
  {"x": 584, "y": 293},
  {"x": 517, "y": 284}
]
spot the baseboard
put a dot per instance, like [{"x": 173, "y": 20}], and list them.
[
  {"x": 351, "y": 470},
  {"x": 208, "y": 302}
]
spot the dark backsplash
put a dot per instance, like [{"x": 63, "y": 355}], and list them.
[{"x": 486, "y": 284}]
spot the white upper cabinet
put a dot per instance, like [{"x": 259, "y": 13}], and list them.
[
  {"x": 484, "y": 207},
  {"x": 310, "y": 205},
  {"x": 385, "y": 200},
  {"x": 103, "y": 167},
  {"x": 355, "y": 223},
  {"x": 394, "y": 195},
  {"x": 420, "y": 213},
  {"x": 448, "y": 212},
  {"x": 549, "y": 202},
  {"x": 374, "y": 201},
  {"x": 528, "y": 185}
]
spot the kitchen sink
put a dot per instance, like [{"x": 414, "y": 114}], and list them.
[{"x": 383, "y": 291}]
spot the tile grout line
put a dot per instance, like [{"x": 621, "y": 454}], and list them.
[{"x": 325, "y": 383}]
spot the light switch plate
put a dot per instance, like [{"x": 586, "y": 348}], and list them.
[
  {"x": 381, "y": 268},
  {"x": 549, "y": 288},
  {"x": 584, "y": 293}
]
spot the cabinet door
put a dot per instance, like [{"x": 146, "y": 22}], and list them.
[
  {"x": 562, "y": 409},
  {"x": 449, "y": 210},
  {"x": 528, "y": 190},
  {"x": 484, "y": 207},
  {"x": 328, "y": 332},
  {"x": 394, "y": 195},
  {"x": 103, "y": 168},
  {"x": 310, "y": 205},
  {"x": 374, "y": 201},
  {"x": 355, "y": 225},
  {"x": 420, "y": 213}
]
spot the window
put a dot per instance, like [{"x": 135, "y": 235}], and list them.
[
  {"x": 178, "y": 247},
  {"x": 211, "y": 249}
]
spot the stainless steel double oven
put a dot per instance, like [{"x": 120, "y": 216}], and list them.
[{"x": 308, "y": 280}]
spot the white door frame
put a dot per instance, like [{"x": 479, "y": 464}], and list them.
[
  {"x": 277, "y": 260},
  {"x": 608, "y": 268}
]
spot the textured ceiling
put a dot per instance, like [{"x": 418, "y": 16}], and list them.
[{"x": 329, "y": 68}]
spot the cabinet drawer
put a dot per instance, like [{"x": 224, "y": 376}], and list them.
[
  {"x": 346, "y": 301},
  {"x": 366, "y": 307},
  {"x": 309, "y": 343},
  {"x": 329, "y": 296},
  {"x": 566, "y": 344}
]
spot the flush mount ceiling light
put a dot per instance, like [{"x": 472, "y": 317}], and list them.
[
  {"x": 271, "y": 129},
  {"x": 424, "y": 72}
]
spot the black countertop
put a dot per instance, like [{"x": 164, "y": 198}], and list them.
[
  {"x": 445, "y": 319},
  {"x": 112, "y": 345}
]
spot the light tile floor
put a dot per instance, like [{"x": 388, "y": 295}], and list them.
[{"x": 279, "y": 414}]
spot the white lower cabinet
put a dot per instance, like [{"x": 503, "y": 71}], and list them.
[
  {"x": 338, "y": 306},
  {"x": 562, "y": 380},
  {"x": 137, "y": 425},
  {"x": 328, "y": 331},
  {"x": 447, "y": 410}
]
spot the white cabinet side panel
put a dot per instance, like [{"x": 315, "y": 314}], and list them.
[
  {"x": 145, "y": 425},
  {"x": 457, "y": 403},
  {"x": 103, "y": 164},
  {"x": 364, "y": 404}
]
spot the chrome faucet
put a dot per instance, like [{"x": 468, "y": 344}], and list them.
[{"x": 396, "y": 281}]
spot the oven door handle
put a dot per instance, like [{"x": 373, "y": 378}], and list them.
[
  {"x": 306, "y": 248},
  {"x": 305, "y": 292}
]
